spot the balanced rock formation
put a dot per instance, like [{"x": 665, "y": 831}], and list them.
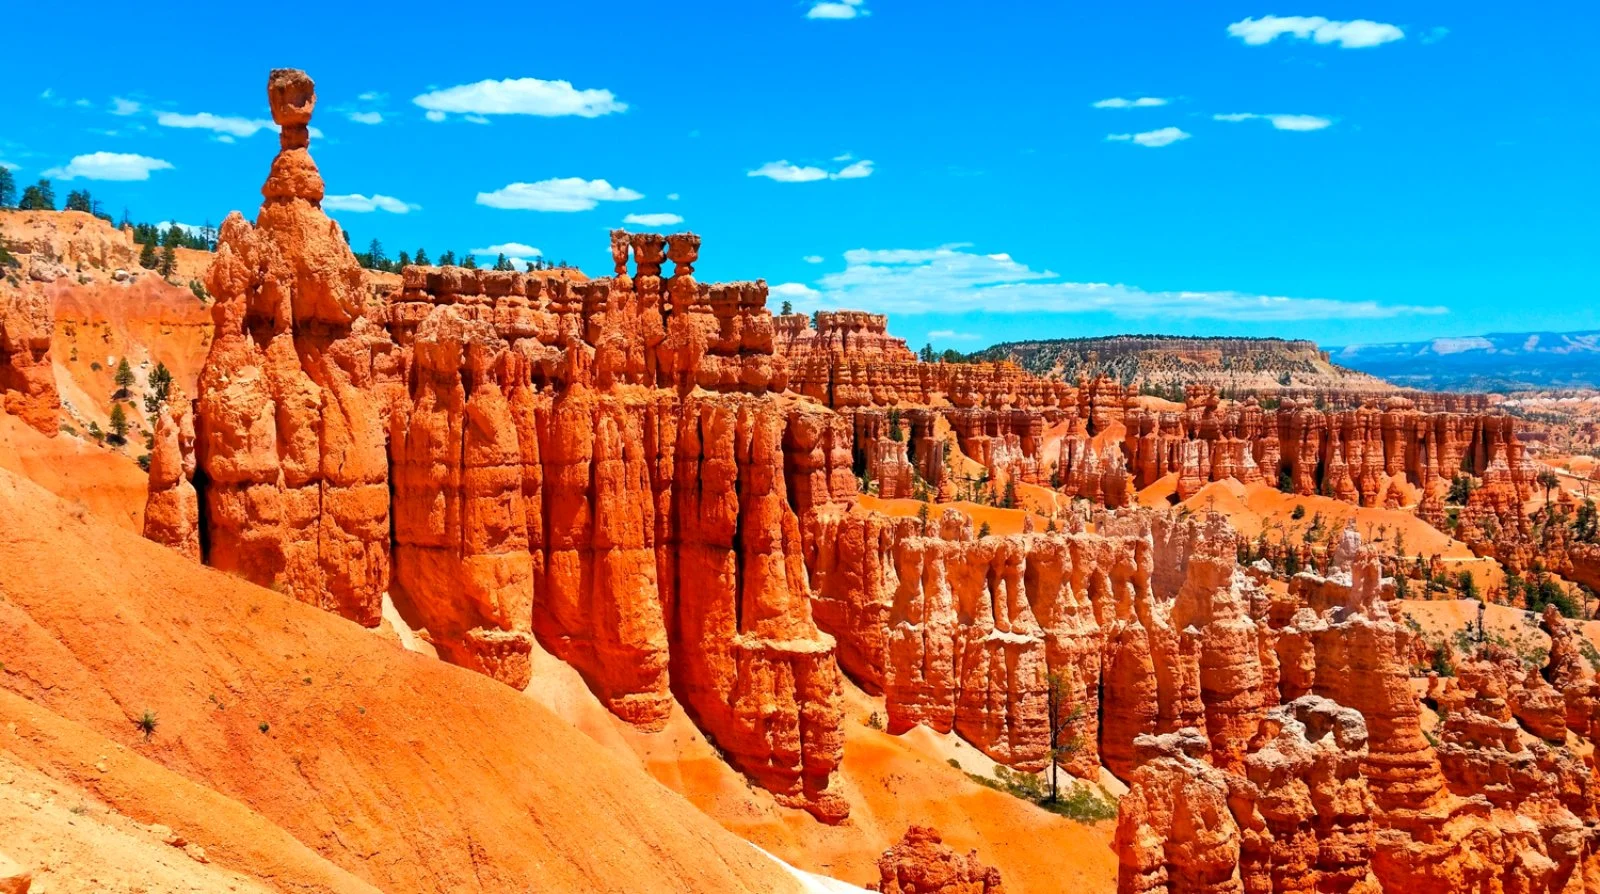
[
  {"x": 923, "y": 864},
  {"x": 598, "y": 464}
]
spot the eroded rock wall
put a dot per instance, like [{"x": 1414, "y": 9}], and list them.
[{"x": 603, "y": 465}]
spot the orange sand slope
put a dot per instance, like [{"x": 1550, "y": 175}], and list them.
[
  {"x": 304, "y": 751},
  {"x": 82, "y": 473}
]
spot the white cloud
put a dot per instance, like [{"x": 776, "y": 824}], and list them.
[
  {"x": 1435, "y": 34},
  {"x": 1154, "y": 139},
  {"x": 371, "y": 96},
  {"x": 847, "y": 156},
  {"x": 223, "y": 124},
  {"x": 82, "y": 103},
  {"x": 120, "y": 106},
  {"x": 1143, "y": 102},
  {"x": 793, "y": 290},
  {"x": 355, "y": 202},
  {"x": 1352, "y": 35},
  {"x": 653, "y": 220},
  {"x": 476, "y": 119},
  {"x": 435, "y": 115},
  {"x": 672, "y": 197},
  {"x": 509, "y": 248},
  {"x": 783, "y": 172},
  {"x": 558, "y": 194},
  {"x": 953, "y": 335},
  {"x": 1280, "y": 122},
  {"x": 812, "y": 259},
  {"x": 520, "y": 254},
  {"x": 366, "y": 117},
  {"x": 844, "y": 9},
  {"x": 165, "y": 225},
  {"x": 10, "y": 166},
  {"x": 224, "y": 138},
  {"x": 519, "y": 96},
  {"x": 854, "y": 171},
  {"x": 954, "y": 279},
  {"x": 110, "y": 166}
]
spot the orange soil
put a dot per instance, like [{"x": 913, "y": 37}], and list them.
[
  {"x": 377, "y": 768},
  {"x": 79, "y": 471},
  {"x": 1440, "y": 619},
  {"x": 1257, "y": 507},
  {"x": 147, "y": 321},
  {"x": 1001, "y": 521}
]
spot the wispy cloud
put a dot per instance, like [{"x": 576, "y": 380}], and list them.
[
  {"x": 784, "y": 172},
  {"x": 519, "y": 96},
  {"x": 1154, "y": 139},
  {"x": 372, "y": 96},
  {"x": 955, "y": 279},
  {"x": 223, "y": 124},
  {"x": 1351, "y": 35},
  {"x": 520, "y": 254},
  {"x": 953, "y": 335},
  {"x": 355, "y": 202},
  {"x": 109, "y": 166},
  {"x": 843, "y": 9},
  {"x": 794, "y": 291},
  {"x": 508, "y": 248},
  {"x": 1280, "y": 122},
  {"x": 558, "y": 194},
  {"x": 366, "y": 117},
  {"x": 1435, "y": 34},
  {"x": 120, "y": 106},
  {"x": 812, "y": 259},
  {"x": 1143, "y": 102},
  {"x": 663, "y": 219}
]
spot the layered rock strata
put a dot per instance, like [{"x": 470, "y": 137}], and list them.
[{"x": 1365, "y": 456}]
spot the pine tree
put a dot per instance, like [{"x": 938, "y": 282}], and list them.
[
  {"x": 403, "y": 261},
  {"x": 158, "y": 387},
  {"x": 421, "y": 259},
  {"x": 788, "y": 308},
  {"x": 169, "y": 261},
  {"x": 119, "y": 425},
  {"x": 147, "y": 257},
  {"x": 375, "y": 257},
  {"x": 469, "y": 261},
  {"x": 500, "y": 263},
  {"x": 173, "y": 237},
  {"x": 448, "y": 259},
  {"x": 78, "y": 200},
  {"x": 123, "y": 376},
  {"x": 38, "y": 197},
  {"x": 8, "y": 188}
]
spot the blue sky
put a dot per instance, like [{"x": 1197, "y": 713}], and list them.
[{"x": 1344, "y": 172}]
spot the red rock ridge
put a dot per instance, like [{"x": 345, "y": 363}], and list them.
[{"x": 27, "y": 382}]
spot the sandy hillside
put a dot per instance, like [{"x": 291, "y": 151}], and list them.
[
  {"x": 82, "y": 473},
  {"x": 302, "y": 750}
]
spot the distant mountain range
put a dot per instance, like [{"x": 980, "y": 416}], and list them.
[{"x": 1496, "y": 362}]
